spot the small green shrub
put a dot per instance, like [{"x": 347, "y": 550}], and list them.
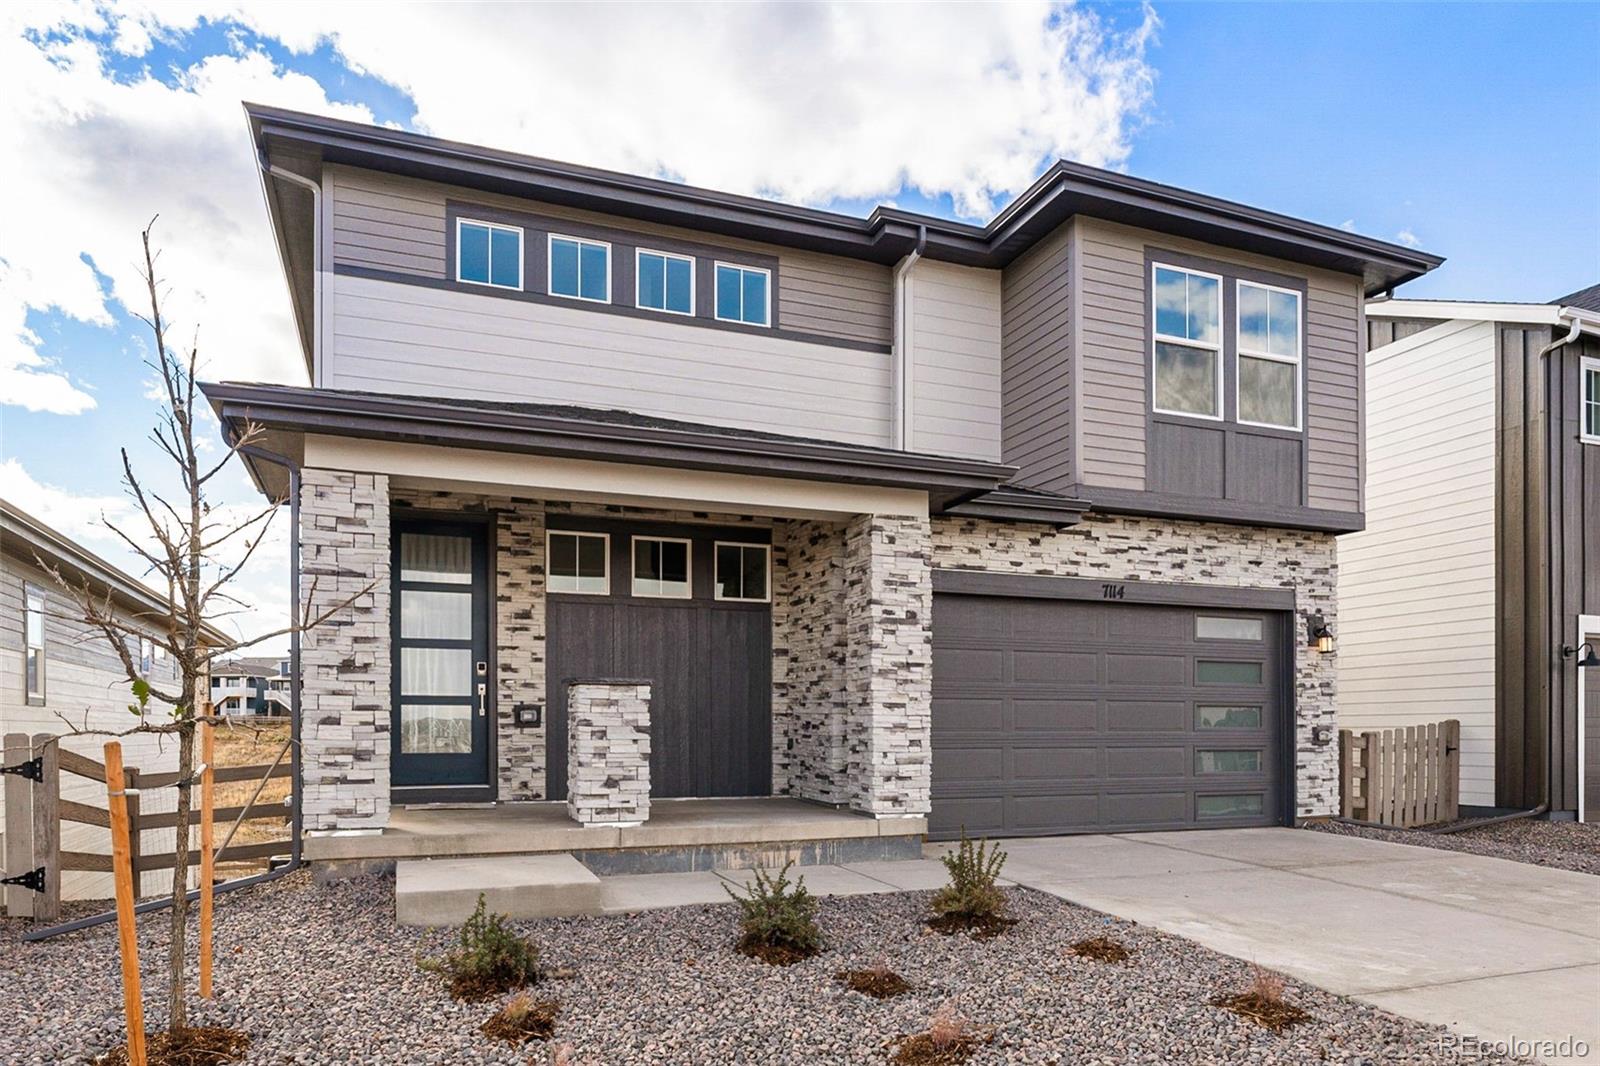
[
  {"x": 972, "y": 894},
  {"x": 491, "y": 958},
  {"x": 777, "y": 919}
]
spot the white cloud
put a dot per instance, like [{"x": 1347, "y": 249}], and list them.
[
  {"x": 1409, "y": 239},
  {"x": 1349, "y": 226}
]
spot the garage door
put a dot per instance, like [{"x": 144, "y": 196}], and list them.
[{"x": 1059, "y": 716}]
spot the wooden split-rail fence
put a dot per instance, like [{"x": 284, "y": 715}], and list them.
[
  {"x": 1402, "y": 777},
  {"x": 34, "y": 860}
]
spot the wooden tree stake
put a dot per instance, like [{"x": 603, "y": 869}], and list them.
[
  {"x": 127, "y": 932},
  {"x": 208, "y": 857}
]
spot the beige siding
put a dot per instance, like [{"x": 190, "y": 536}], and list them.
[
  {"x": 1036, "y": 363},
  {"x": 955, "y": 346},
  {"x": 393, "y": 337},
  {"x": 1114, "y": 329},
  {"x": 85, "y": 684},
  {"x": 1417, "y": 587},
  {"x": 392, "y": 223}
]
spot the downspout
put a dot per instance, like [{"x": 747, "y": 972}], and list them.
[
  {"x": 295, "y": 859},
  {"x": 270, "y": 170},
  {"x": 900, "y": 378}
]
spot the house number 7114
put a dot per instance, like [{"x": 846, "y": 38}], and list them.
[{"x": 1112, "y": 592}]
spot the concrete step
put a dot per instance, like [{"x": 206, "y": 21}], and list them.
[{"x": 445, "y": 891}]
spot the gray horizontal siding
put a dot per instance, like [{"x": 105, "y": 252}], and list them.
[
  {"x": 391, "y": 337},
  {"x": 386, "y": 222},
  {"x": 1036, "y": 352},
  {"x": 955, "y": 380}
]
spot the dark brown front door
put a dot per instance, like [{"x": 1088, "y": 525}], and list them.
[{"x": 706, "y": 653}]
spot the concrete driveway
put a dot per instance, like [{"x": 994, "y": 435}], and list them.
[{"x": 1492, "y": 948}]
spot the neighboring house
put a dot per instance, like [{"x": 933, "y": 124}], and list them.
[
  {"x": 1478, "y": 576},
  {"x": 1017, "y": 527},
  {"x": 57, "y": 674},
  {"x": 251, "y": 686}
]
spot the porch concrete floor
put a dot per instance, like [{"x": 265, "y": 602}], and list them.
[{"x": 531, "y": 828}]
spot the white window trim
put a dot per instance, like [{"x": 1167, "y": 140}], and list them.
[
  {"x": 688, "y": 568},
  {"x": 716, "y": 573},
  {"x": 766, "y": 312},
  {"x": 550, "y": 260},
  {"x": 31, "y": 595},
  {"x": 1588, "y": 365},
  {"x": 1157, "y": 337},
  {"x": 605, "y": 539},
  {"x": 1297, "y": 360},
  {"x": 639, "y": 254},
  {"x": 522, "y": 267}
]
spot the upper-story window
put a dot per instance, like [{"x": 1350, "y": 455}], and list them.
[
  {"x": 33, "y": 642},
  {"x": 744, "y": 294},
  {"x": 488, "y": 254},
  {"x": 580, "y": 269},
  {"x": 1269, "y": 356},
  {"x": 1187, "y": 305},
  {"x": 665, "y": 282},
  {"x": 1591, "y": 401}
]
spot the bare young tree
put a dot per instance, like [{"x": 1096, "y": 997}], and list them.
[{"x": 194, "y": 552}]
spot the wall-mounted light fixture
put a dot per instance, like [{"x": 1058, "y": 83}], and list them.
[
  {"x": 1318, "y": 635},
  {"x": 1584, "y": 652}
]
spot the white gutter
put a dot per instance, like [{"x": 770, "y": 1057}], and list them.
[
  {"x": 901, "y": 372},
  {"x": 316, "y": 257}
]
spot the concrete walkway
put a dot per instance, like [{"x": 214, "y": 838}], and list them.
[{"x": 1491, "y": 948}]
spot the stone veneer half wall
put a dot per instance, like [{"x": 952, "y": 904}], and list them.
[{"x": 1144, "y": 549}]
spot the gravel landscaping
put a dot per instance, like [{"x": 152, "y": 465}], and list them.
[
  {"x": 321, "y": 974},
  {"x": 1562, "y": 845}
]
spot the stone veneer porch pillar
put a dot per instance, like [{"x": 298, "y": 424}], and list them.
[
  {"x": 344, "y": 662},
  {"x": 608, "y": 752}
]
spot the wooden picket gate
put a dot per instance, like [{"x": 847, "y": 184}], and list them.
[{"x": 1401, "y": 777}]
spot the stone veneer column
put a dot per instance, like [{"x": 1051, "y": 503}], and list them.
[
  {"x": 608, "y": 752},
  {"x": 345, "y": 668},
  {"x": 815, "y": 701},
  {"x": 889, "y": 668}
]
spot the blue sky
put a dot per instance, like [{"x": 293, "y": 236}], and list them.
[{"x": 1466, "y": 129}]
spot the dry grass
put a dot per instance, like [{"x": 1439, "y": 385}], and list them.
[
  {"x": 949, "y": 1039},
  {"x": 1263, "y": 1003},
  {"x": 523, "y": 1019},
  {"x": 252, "y": 744}
]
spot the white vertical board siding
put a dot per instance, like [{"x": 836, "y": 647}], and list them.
[
  {"x": 399, "y": 338},
  {"x": 955, "y": 357},
  {"x": 1416, "y": 587},
  {"x": 84, "y": 683}
]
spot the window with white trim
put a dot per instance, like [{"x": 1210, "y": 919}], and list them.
[
  {"x": 578, "y": 563},
  {"x": 580, "y": 269},
  {"x": 1269, "y": 356},
  {"x": 33, "y": 642},
  {"x": 147, "y": 656},
  {"x": 664, "y": 282},
  {"x": 1186, "y": 356},
  {"x": 661, "y": 568},
  {"x": 488, "y": 254},
  {"x": 743, "y": 572},
  {"x": 744, "y": 294},
  {"x": 1590, "y": 401}
]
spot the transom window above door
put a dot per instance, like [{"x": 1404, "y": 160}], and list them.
[
  {"x": 1187, "y": 354},
  {"x": 661, "y": 567},
  {"x": 665, "y": 282},
  {"x": 742, "y": 572},
  {"x": 580, "y": 269},
  {"x": 578, "y": 563}
]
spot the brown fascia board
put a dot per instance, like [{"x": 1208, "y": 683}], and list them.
[
  {"x": 31, "y": 541},
  {"x": 948, "y": 481},
  {"x": 1007, "y": 505},
  {"x": 885, "y": 236}
]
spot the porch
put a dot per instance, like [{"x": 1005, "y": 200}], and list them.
[{"x": 680, "y": 835}]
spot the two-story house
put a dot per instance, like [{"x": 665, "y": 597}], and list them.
[
  {"x": 253, "y": 686},
  {"x": 1026, "y": 527}
]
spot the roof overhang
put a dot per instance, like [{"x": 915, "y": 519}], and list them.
[
  {"x": 32, "y": 541},
  {"x": 579, "y": 433},
  {"x": 1011, "y": 504},
  {"x": 885, "y": 236},
  {"x": 1487, "y": 311}
]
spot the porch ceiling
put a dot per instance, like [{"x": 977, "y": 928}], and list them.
[{"x": 584, "y": 434}]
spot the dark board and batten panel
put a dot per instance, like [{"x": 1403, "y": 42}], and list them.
[
  {"x": 1381, "y": 331},
  {"x": 1547, "y": 563},
  {"x": 1035, "y": 363}
]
